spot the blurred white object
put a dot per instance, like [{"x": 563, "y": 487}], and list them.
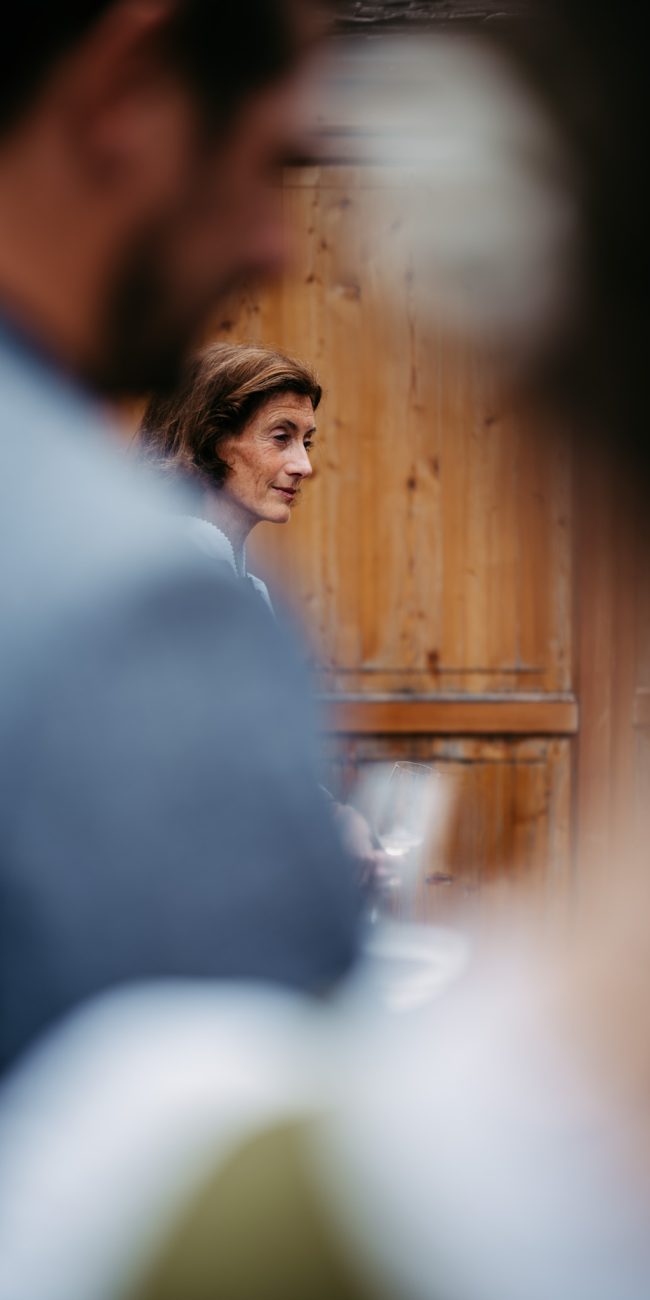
[
  {"x": 490, "y": 212},
  {"x": 406, "y": 966},
  {"x": 461, "y": 1151},
  {"x": 121, "y": 1112},
  {"x": 473, "y": 1154}
]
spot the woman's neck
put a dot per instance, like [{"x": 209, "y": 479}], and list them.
[{"x": 235, "y": 524}]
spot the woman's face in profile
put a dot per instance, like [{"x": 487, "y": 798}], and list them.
[{"x": 269, "y": 459}]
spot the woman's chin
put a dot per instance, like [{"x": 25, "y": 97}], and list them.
[{"x": 279, "y": 514}]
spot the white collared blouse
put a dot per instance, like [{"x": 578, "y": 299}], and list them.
[{"x": 211, "y": 539}]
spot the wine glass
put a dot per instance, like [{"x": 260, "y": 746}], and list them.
[
  {"x": 402, "y": 804},
  {"x": 404, "y": 809}
]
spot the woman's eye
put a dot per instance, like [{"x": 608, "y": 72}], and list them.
[
  {"x": 308, "y": 445},
  {"x": 282, "y": 438}
]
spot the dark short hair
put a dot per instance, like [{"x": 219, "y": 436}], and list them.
[
  {"x": 220, "y": 391},
  {"x": 224, "y": 50}
]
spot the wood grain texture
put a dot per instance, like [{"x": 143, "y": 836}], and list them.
[
  {"x": 433, "y": 550},
  {"x": 476, "y": 715}
]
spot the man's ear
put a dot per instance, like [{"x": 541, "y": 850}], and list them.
[{"x": 114, "y": 90}]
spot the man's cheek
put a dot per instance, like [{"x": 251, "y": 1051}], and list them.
[{"x": 260, "y": 229}]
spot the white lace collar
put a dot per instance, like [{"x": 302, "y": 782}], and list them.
[{"x": 211, "y": 539}]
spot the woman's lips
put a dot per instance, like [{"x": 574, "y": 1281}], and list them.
[{"x": 289, "y": 493}]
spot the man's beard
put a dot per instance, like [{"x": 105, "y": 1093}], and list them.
[{"x": 149, "y": 327}]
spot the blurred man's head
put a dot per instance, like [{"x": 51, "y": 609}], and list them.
[{"x": 139, "y": 142}]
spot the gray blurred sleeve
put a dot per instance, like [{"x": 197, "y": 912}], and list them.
[{"x": 165, "y": 813}]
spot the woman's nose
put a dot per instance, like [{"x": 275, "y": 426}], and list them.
[{"x": 300, "y": 463}]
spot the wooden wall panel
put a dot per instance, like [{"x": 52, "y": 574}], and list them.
[
  {"x": 452, "y": 715},
  {"x": 433, "y": 550}
]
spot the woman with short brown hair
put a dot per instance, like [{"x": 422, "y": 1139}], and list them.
[{"x": 241, "y": 423}]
